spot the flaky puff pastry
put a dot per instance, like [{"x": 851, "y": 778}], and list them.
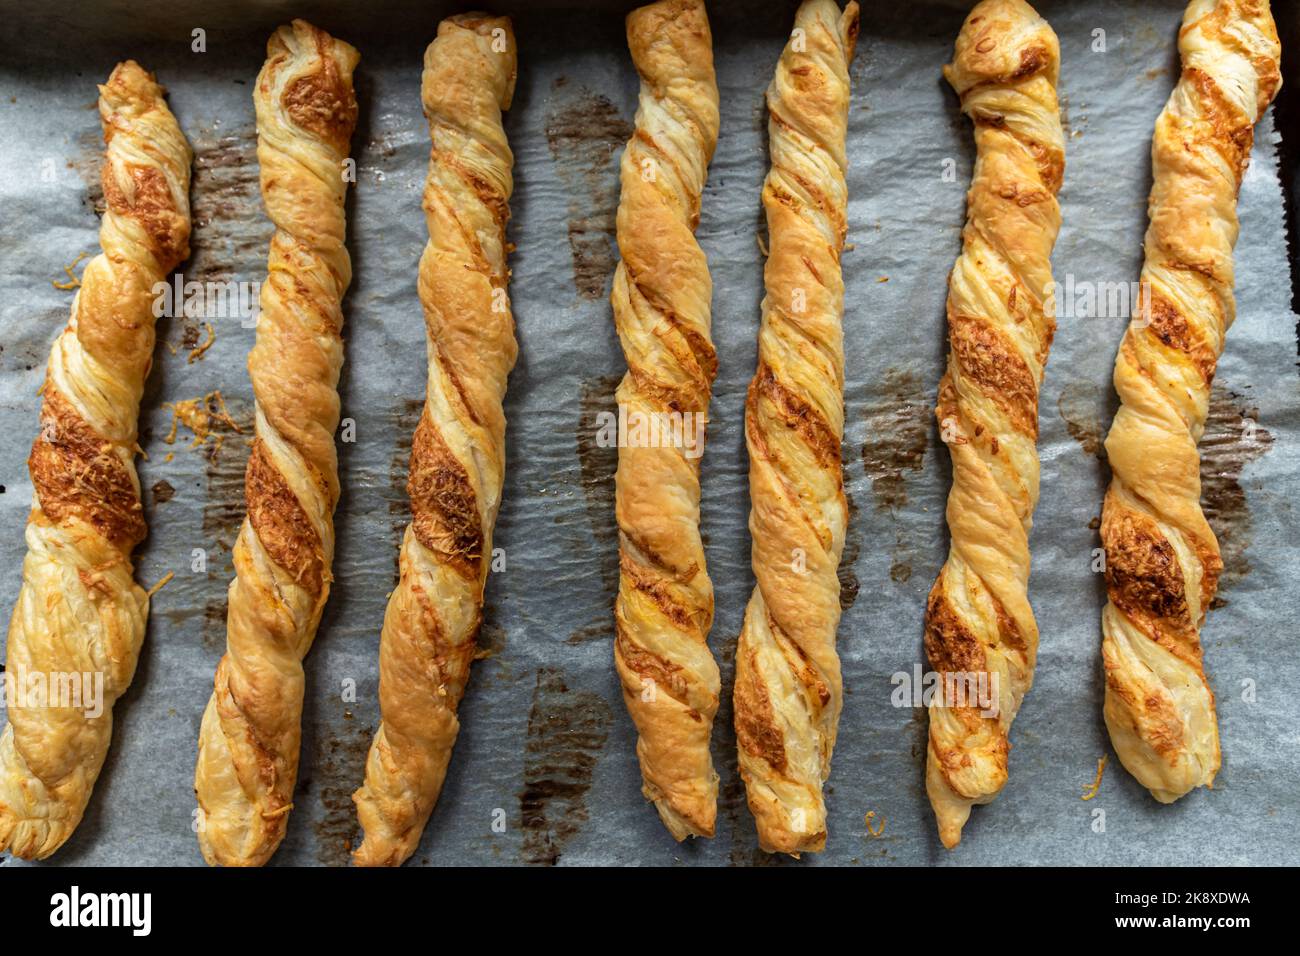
[
  {"x": 1162, "y": 559},
  {"x": 978, "y": 623},
  {"x": 661, "y": 298},
  {"x": 249, "y": 739},
  {"x": 788, "y": 690},
  {"x": 80, "y": 615},
  {"x": 458, "y": 454}
]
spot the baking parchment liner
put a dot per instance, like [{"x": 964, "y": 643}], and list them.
[{"x": 544, "y": 771}]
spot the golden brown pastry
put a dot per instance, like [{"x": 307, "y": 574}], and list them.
[
  {"x": 249, "y": 740},
  {"x": 80, "y": 618},
  {"x": 458, "y": 454},
  {"x": 788, "y": 690},
  {"x": 661, "y": 299},
  {"x": 1162, "y": 559},
  {"x": 978, "y": 620}
]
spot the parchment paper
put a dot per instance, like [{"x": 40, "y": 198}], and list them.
[{"x": 544, "y": 771}]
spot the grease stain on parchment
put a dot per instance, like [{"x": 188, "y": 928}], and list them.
[
  {"x": 758, "y": 115},
  {"x": 405, "y": 419},
  {"x": 849, "y": 584},
  {"x": 918, "y": 729},
  {"x": 584, "y": 130},
  {"x": 380, "y": 155},
  {"x": 733, "y": 802},
  {"x": 230, "y": 233},
  {"x": 214, "y": 619},
  {"x": 87, "y": 163},
  {"x": 898, "y": 412},
  {"x": 1233, "y": 438},
  {"x": 338, "y": 769},
  {"x": 900, "y": 570},
  {"x": 898, "y": 429},
  {"x": 225, "y": 185},
  {"x": 1082, "y": 406},
  {"x": 491, "y": 639},
  {"x": 597, "y": 466},
  {"x": 566, "y": 734},
  {"x": 223, "y": 509},
  {"x": 600, "y": 631},
  {"x": 224, "y": 464}
]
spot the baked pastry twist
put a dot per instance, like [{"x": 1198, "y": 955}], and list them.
[
  {"x": 788, "y": 690},
  {"x": 80, "y": 616},
  {"x": 249, "y": 740},
  {"x": 1162, "y": 559},
  {"x": 661, "y": 297},
  {"x": 978, "y": 625},
  {"x": 458, "y": 454}
]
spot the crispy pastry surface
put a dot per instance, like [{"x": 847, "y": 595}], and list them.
[
  {"x": 80, "y": 613},
  {"x": 661, "y": 297},
  {"x": 249, "y": 739},
  {"x": 458, "y": 454},
  {"x": 978, "y": 624},
  {"x": 788, "y": 690},
  {"x": 1162, "y": 559}
]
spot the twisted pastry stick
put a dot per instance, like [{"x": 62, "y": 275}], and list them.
[
  {"x": 1162, "y": 559},
  {"x": 978, "y": 619},
  {"x": 788, "y": 690},
  {"x": 458, "y": 455},
  {"x": 80, "y": 616},
  {"x": 249, "y": 740},
  {"x": 661, "y": 298}
]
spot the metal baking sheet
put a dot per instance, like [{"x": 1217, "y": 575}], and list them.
[{"x": 547, "y": 748}]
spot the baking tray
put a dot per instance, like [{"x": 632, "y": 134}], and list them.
[{"x": 546, "y": 745}]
